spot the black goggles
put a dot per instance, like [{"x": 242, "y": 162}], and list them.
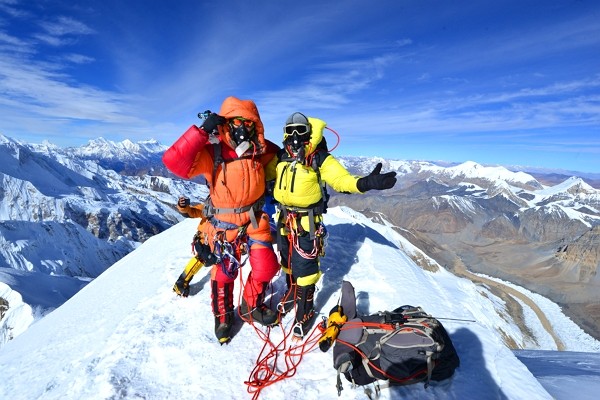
[{"x": 300, "y": 129}]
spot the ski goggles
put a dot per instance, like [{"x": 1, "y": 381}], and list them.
[
  {"x": 236, "y": 122},
  {"x": 300, "y": 129}
]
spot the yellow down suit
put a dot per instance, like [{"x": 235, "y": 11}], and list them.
[{"x": 300, "y": 193}]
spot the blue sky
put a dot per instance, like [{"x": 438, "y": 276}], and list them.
[{"x": 497, "y": 82}]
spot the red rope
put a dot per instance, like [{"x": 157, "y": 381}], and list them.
[
  {"x": 277, "y": 362},
  {"x": 269, "y": 369},
  {"x": 293, "y": 239},
  {"x": 338, "y": 140}
]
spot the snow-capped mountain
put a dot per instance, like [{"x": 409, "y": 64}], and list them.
[
  {"x": 469, "y": 187},
  {"x": 118, "y": 340},
  {"x": 65, "y": 216},
  {"x": 43, "y": 185},
  {"x": 418, "y": 170},
  {"x": 125, "y": 157}
]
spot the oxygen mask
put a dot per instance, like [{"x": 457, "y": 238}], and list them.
[
  {"x": 296, "y": 137},
  {"x": 242, "y": 131}
]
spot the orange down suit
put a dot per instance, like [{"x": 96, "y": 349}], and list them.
[{"x": 236, "y": 183}]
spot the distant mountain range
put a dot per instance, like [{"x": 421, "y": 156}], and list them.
[
  {"x": 499, "y": 222},
  {"x": 68, "y": 214}
]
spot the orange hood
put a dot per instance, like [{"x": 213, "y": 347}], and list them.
[{"x": 234, "y": 107}]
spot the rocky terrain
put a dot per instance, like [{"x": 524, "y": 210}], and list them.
[{"x": 500, "y": 223}]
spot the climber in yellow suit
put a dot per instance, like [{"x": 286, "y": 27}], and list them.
[
  {"x": 304, "y": 166},
  {"x": 182, "y": 286}
]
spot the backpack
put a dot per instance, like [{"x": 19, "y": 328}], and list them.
[{"x": 403, "y": 346}]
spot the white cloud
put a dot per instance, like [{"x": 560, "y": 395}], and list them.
[
  {"x": 78, "y": 58},
  {"x": 63, "y": 26}
]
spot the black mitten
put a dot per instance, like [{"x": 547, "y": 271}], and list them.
[
  {"x": 183, "y": 202},
  {"x": 204, "y": 254},
  {"x": 211, "y": 122},
  {"x": 375, "y": 180}
]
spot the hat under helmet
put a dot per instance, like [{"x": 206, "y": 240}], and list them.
[{"x": 297, "y": 118}]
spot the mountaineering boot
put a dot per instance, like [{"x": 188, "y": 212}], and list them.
[
  {"x": 182, "y": 285},
  {"x": 304, "y": 310},
  {"x": 261, "y": 314},
  {"x": 253, "y": 308},
  {"x": 286, "y": 304},
  {"x": 223, "y": 325},
  {"x": 222, "y": 303}
]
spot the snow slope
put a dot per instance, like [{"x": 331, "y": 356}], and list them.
[{"x": 126, "y": 336}]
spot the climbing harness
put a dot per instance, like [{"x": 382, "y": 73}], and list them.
[
  {"x": 210, "y": 210},
  {"x": 230, "y": 254},
  {"x": 294, "y": 228}
]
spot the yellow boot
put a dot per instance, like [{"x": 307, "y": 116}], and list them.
[{"x": 182, "y": 285}]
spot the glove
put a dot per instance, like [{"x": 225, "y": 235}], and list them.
[
  {"x": 183, "y": 202},
  {"x": 375, "y": 180},
  {"x": 211, "y": 122},
  {"x": 204, "y": 254}
]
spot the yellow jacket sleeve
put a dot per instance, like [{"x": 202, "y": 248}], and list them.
[{"x": 338, "y": 177}]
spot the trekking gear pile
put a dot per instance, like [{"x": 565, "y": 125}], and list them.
[{"x": 402, "y": 347}]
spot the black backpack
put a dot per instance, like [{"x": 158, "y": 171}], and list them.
[{"x": 404, "y": 346}]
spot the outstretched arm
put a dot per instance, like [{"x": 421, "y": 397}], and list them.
[{"x": 338, "y": 177}]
